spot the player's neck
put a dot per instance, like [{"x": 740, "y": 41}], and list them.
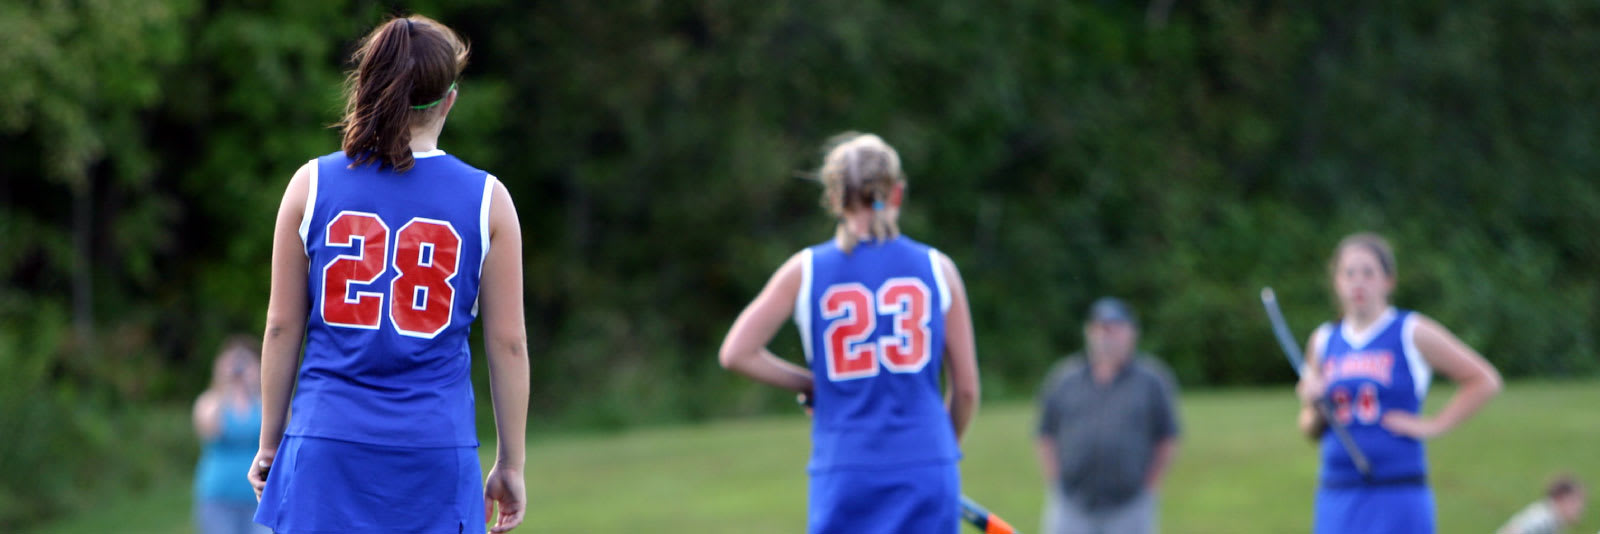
[
  {"x": 859, "y": 224},
  {"x": 1361, "y": 320},
  {"x": 425, "y": 138}
]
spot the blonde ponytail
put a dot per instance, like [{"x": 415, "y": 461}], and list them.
[{"x": 861, "y": 171}]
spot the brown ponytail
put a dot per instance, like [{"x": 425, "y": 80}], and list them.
[
  {"x": 860, "y": 171},
  {"x": 404, "y": 70}
]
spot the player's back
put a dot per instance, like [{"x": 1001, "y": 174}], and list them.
[
  {"x": 395, "y": 261},
  {"x": 1368, "y": 374},
  {"x": 872, "y": 322}
]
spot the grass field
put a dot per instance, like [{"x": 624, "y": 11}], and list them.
[{"x": 1241, "y": 469}]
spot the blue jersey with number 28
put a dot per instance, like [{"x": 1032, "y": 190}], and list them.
[
  {"x": 394, "y": 262},
  {"x": 872, "y": 324}
]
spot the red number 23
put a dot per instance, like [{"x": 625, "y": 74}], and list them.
[{"x": 852, "y": 313}]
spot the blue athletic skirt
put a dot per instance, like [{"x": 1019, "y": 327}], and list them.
[
  {"x": 321, "y": 486},
  {"x": 1395, "y": 509},
  {"x": 917, "y": 499}
]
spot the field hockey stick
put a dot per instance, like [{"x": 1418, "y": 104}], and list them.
[
  {"x": 981, "y": 519},
  {"x": 1280, "y": 328}
]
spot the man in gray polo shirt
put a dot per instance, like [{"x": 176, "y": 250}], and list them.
[{"x": 1107, "y": 430}]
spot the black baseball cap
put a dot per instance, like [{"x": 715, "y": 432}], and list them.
[{"x": 1111, "y": 309}]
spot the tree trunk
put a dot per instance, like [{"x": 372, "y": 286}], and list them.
[{"x": 83, "y": 263}]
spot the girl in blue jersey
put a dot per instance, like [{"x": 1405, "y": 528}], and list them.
[
  {"x": 880, "y": 316},
  {"x": 383, "y": 255},
  {"x": 1374, "y": 365}
]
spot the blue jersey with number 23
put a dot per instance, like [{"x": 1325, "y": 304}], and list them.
[{"x": 872, "y": 324}]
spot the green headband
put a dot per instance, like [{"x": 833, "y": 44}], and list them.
[{"x": 436, "y": 102}]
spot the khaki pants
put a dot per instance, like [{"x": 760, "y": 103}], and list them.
[{"x": 1062, "y": 516}]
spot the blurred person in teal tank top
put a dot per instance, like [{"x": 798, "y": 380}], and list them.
[{"x": 227, "y": 418}]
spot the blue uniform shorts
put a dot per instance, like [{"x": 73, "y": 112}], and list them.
[
  {"x": 1402, "y": 509},
  {"x": 915, "y": 499},
  {"x": 325, "y": 486}
]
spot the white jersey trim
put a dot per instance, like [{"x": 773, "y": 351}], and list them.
[
  {"x": 426, "y": 155},
  {"x": 483, "y": 232},
  {"x": 1319, "y": 341},
  {"x": 1360, "y": 340},
  {"x": 802, "y": 304},
  {"x": 938, "y": 280},
  {"x": 311, "y": 203},
  {"x": 1421, "y": 373}
]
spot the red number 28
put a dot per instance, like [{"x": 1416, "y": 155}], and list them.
[
  {"x": 426, "y": 254},
  {"x": 852, "y": 313}
]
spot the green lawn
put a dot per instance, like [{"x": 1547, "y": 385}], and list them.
[{"x": 1241, "y": 469}]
